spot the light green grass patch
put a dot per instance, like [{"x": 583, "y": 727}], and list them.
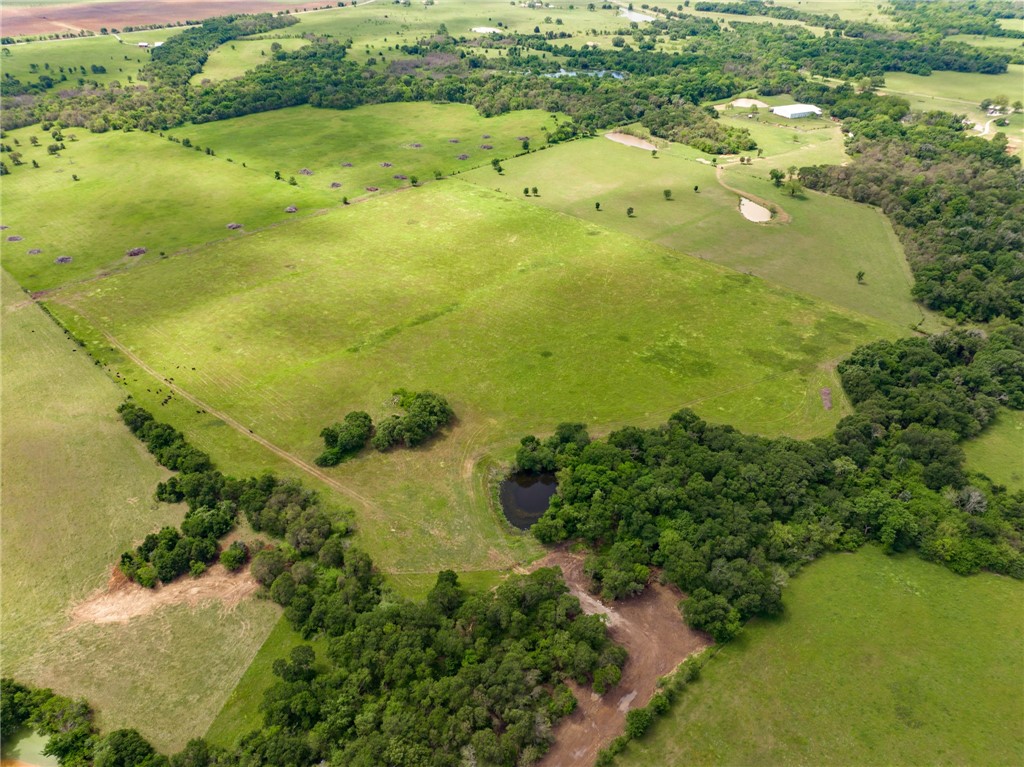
[
  {"x": 998, "y": 452},
  {"x": 521, "y": 317},
  {"x": 984, "y": 41},
  {"x": 878, "y": 660},
  {"x": 77, "y": 491},
  {"x": 122, "y": 60},
  {"x": 134, "y": 190},
  {"x": 237, "y": 57},
  {"x": 240, "y": 714},
  {"x": 322, "y": 140},
  {"x": 819, "y": 253},
  {"x": 855, "y": 10}
]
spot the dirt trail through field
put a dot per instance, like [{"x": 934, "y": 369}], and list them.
[
  {"x": 244, "y": 430},
  {"x": 781, "y": 216},
  {"x": 652, "y": 630},
  {"x": 121, "y": 600}
]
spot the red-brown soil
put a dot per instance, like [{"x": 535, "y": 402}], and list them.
[
  {"x": 47, "y": 19},
  {"x": 123, "y": 600},
  {"x": 651, "y": 628}
]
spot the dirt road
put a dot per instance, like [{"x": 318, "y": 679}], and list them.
[{"x": 652, "y": 630}]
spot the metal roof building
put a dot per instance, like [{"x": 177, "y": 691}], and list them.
[{"x": 794, "y": 111}]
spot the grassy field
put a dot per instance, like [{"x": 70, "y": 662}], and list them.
[
  {"x": 708, "y": 224},
  {"x": 131, "y": 193},
  {"x": 999, "y": 451},
  {"x": 239, "y": 56},
  {"x": 878, "y": 661},
  {"x": 323, "y": 140},
  {"x": 458, "y": 290},
  {"x": 77, "y": 490},
  {"x": 984, "y": 41},
  {"x": 122, "y": 60},
  {"x": 857, "y": 10}
]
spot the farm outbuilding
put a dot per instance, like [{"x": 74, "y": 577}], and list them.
[{"x": 795, "y": 111}]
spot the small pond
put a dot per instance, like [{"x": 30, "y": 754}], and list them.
[
  {"x": 25, "y": 749},
  {"x": 524, "y": 497}
]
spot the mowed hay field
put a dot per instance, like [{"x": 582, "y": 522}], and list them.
[
  {"x": 365, "y": 148},
  {"x": 134, "y": 190},
  {"x": 878, "y": 661},
  {"x": 818, "y": 252},
  {"x": 998, "y": 452},
  {"x": 514, "y": 313},
  {"x": 77, "y": 491},
  {"x": 239, "y": 56}
]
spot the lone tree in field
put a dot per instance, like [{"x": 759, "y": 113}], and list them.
[
  {"x": 526, "y": 191},
  {"x": 597, "y": 206},
  {"x": 777, "y": 176},
  {"x": 696, "y": 188},
  {"x": 629, "y": 212},
  {"x": 496, "y": 164},
  {"x": 668, "y": 194},
  {"x": 654, "y": 153},
  {"x": 534, "y": 191},
  {"x": 860, "y": 277}
]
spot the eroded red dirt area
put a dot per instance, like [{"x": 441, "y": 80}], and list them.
[
  {"x": 38, "y": 20},
  {"x": 123, "y": 600},
  {"x": 652, "y": 629}
]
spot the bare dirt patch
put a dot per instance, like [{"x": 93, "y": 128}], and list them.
[
  {"x": 625, "y": 138},
  {"x": 652, "y": 630},
  {"x": 44, "y": 19},
  {"x": 747, "y": 103},
  {"x": 123, "y": 600}
]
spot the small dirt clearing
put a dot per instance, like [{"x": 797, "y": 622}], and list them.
[
  {"x": 487, "y": 30},
  {"x": 747, "y": 103},
  {"x": 651, "y": 628},
  {"x": 625, "y": 138},
  {"x": 123, "y": 600}
]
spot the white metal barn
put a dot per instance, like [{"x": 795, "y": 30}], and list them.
[{"x": 795, "y": 111}]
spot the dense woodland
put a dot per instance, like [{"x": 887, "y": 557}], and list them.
[{"x": 728, "y": 516}]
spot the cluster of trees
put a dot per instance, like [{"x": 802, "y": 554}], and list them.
[
  {"x": 699, "y": 127},
  {"x": 346, "y": 438},
  {"x": 426, "y": 413},
  {"x": 955, "y": 200},
  {"x": 461, "y": 677},
  {"x": 956, "y": 17},
  {"x": 277, "y": 507},
  {"x": 728, "y": 517},
  {"x": 73, "y": 738}
]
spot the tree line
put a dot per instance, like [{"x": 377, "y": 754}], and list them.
[{"x": 728, "y": 517}]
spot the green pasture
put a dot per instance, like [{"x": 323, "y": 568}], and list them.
[
  {"x": 818, "y": 253},
  {"x": 323, "y": 140},
  {"x": 984, "y": 41},
  {"x": 380, "y": 28},
  {"x": 998, "y": 452},
  {"x": 856, "y": 10},
  {"x": 134, "y": 190},
  {"x": 877, "y": 661},
  {"x": 516, "y": 314},
  {"x": 122, "y": 60},
  {"x": 77, "y": 491},
  {"x": 237, "y": 57}
]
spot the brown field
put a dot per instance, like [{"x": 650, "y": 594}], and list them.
[{"x": 46, "y": 19}]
